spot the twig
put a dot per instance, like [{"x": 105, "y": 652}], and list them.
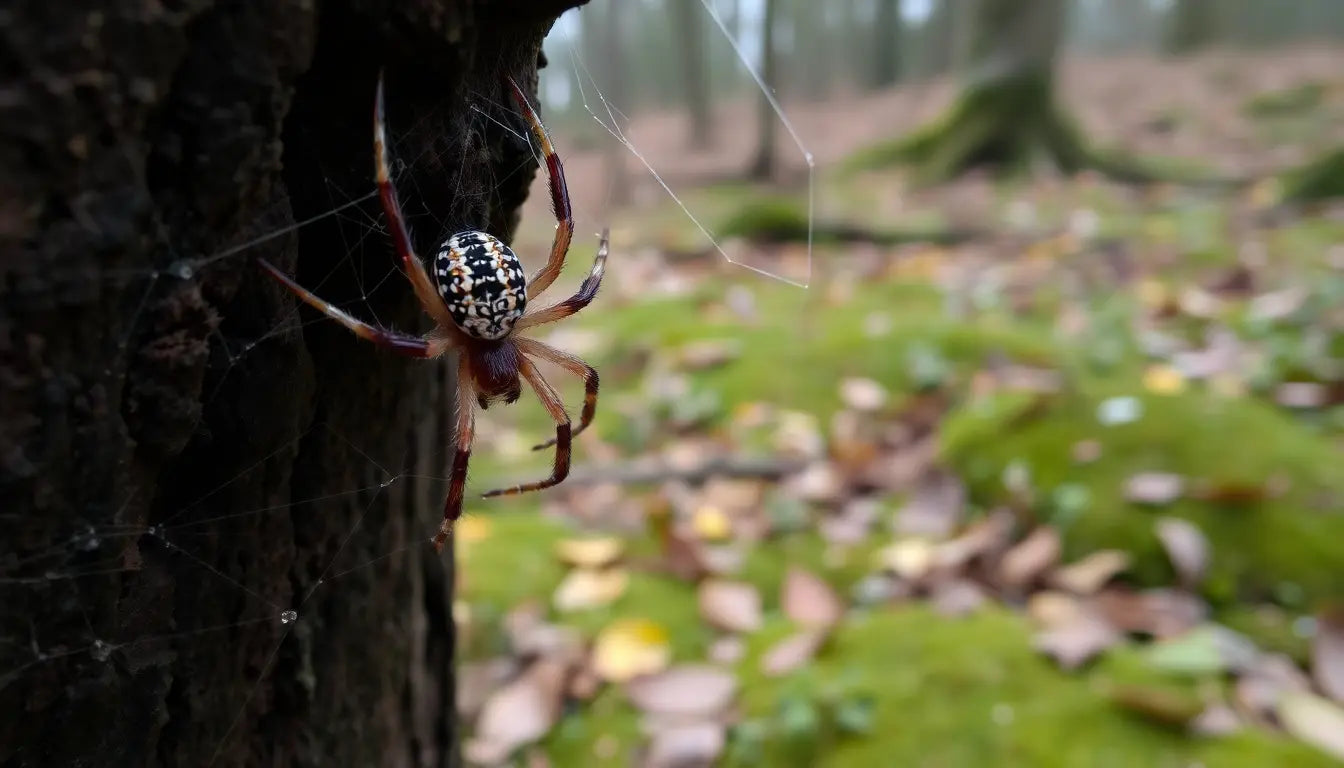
[{"x": 644, "y": 473}]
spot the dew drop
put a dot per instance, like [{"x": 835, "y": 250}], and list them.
[
  {"x": 289, "y": 617},
  {"x": 181, "y": 269},
  {"x": 88, "y": 541},
  {"x": 100, "y": 651}
]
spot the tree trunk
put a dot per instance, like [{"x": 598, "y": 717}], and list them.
[
  {"x": 186, "y": 457},
  {"x": 887, "y": 44},
  {"x": 1190, "y": 25},
  {"x": 691, "y": 32},
  {"x": 763, "y": 167}
]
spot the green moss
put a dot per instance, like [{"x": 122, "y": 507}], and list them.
[
  {"x": 1320, "y": 179},
  {"x": 1286, "y": 102},
  {"x": 972, "y": 692},
  {"x": 1283, "y": 546}
]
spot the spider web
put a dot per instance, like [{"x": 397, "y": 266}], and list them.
[{"x": 94, "y": 559}]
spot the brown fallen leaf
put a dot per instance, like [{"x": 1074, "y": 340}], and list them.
[
  {"x": 984, "y": 538},
  {"x": 476, "y": 680},
  {"x": 1304, "y": 395},
  {"x": 710, "y": 353},
  {"x": 728, "y": 649},
  {"x": 792, "y": 652},
  {"x": 1258, "y": 691},
  {"x": 1073, "y": 644},
  {"x": 731, "y": 606},
  {"x": 1154, "y": 488},
  {"x": 696, "y": 691},
  {"x": 1087, "y": 576},
  {"x": 590, "y": 553},
  {"x": 808, "y": 600},
  {"x": 935, "y": 508},
  {"x": 1327, "y": 653},
  {"x": 1165, "y": 705},
  {"x": 1216, "y": 720},
  {"x": 1316, "y": 721},
  {"x": 693, "y": 745},
  {"x": 957, "y": 597},
  {"x": 819, "y": 483},
  {"x": 519, "y": 713},
  {"x": 910, "y": 559},
  {"x": 1186, "y": 547},
  {"x": 1030, "y": 558},
  {"x": 1158, "y": 612},
  {"x": 1049, "y": 608}
]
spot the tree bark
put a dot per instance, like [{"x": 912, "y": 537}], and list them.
[
  {"x": 695, "y": 80},
  {"x": 1190, "y": 26},
  {"x": 763, "y": 167},
  {"x": 180, "y": 447},
  {"x": 887, "y": 44}
]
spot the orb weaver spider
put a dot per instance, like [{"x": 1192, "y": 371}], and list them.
[{"x": 478, "y": 301}]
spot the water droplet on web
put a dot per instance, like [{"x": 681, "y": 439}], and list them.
[
  {"x": 181, "y": 269},
  {"x": 88, "y": 540},
  {"x": 289, "y": 617},
  {"x": 100, "y": 651}
]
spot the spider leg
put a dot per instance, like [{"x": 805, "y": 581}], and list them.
[
  {"x": 429, "y": 298},
  {"x": 401, "y": 343},
  {"x": 581, "y": 298},
  {"x": 575, "y": 366},
  {"x": 457, "y": 479},
  {"x": 564, "y": 228},
  {"x": 551, "y": 399}
]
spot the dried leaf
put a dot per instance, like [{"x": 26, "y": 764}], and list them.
[
  {"x": 1090, "y": 574},
  {"x": 688, "y": 690},
  {"x": 986, "y": 536},
  {"x": 690, "y": 745},
  {"x": 851, "y": 524},
  {"x": 1085, "y": 451},
  {"x": 1073, "y": 644},
  {"x": 1315, "y": 720},
  {"x": 1154, "y": 488},
  {"x": 1305, "y": 395},
  {"x": 958, "y": 597},
  {"x": 863, "y": 395},
  {"x": 728, "y": 649},
  {"x": 590, "y": 553},
  {"x": 809, "y": 601},
  {"x": 730, "y": 606},
  {"x": 1327, "y": 654},
  {"x": 1157, "y": 612},
  {"x": 1167, "y": 705},
  {"x": 910, "y": 559},
  {"x": 1030, "y": 558},
  {"x": 819, "y": 483},
  {"x": 1054, "y": 609},
  {"x": 1186, "y": 547},
  {"x": 711, "y": 524},
  {"x": 1216, "y": 720},
  {"x": 584, "y": 589},
  {"x": 519, "y": 713},
  {"x": 628, "y": 648},
  {"x": 710, "y": 353},
  {"x": 792, "y": 652},
  {"x": 477, "y": 680},
  {"x": 935, "y": 508}
]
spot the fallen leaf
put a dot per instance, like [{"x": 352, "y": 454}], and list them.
[
  {"x": 1073, "y": 644},
  {"x": 851, "y": 524},
  {"x": 1160, "y": 613},
  {"x": 1304, "y": 395},
  {"x": 819, "y": 483},
  {"x": 711, "y": 524},
  {"x": 1154, "y": 488},
  {"x": 519, "y": 713},
  {"x": 1186, "y": 547},
  {"x": 1260, "y": 689},
  {"x": 1317, "y": 721},
  {"x": 910, "y": 559},
  {"x": 792, "y": 652},
  {"x": 1085, "y": 451},
  {"x": 1053, "y": 609},
  {"x": 984, "y": 537},
  {"x": 1277, "y": 305},
  {"x": 590, "y": 553},
  {"x": 935, "y": 508},
  {"x": 957, "y": 597},
  {"x": 1087, "y": 576},
  {"x": 863, "y": 395},
  {"x": 730, "y": 606},
  {"x": 808, "y": 600},
  {"x": 1030, "y": 558},
  {"x": 728, "y": 649},
  {"x": 1203, "y": 651},
  {"x": 710, "y": 353},
  {"x": 687, "y": 690},
  {"x": 1327, "y": 654},
  {"x": 477, "y": 680},
  {"x": 583, "y": 589},
  {"x": 1163, "y": 380},
  {"x": 686, "y": 746},
  {"x": 628, "y": 648},
  {"x": 880, "y": 588},
  {"x": 1216, "y": 720}
]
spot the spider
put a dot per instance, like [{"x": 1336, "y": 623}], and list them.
[{"x": 479, "y": 301}]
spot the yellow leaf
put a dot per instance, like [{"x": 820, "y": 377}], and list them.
[
  {"x": 590, "y": 553},
  {"x": 1153, "y": 293},
  {"x": 470, "y": 530},
  {"x": 711, "y": 524},
  {"x": 1163, "y": 380},
  {"x": 628, "y": 648},
  {"x": 584, "y": 588}
]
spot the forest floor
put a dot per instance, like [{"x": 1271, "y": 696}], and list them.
[{"x": 1064, "y": 492}]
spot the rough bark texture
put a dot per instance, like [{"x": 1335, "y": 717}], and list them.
[{"x": 179, "y": 457}]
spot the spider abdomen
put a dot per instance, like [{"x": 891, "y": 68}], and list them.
[{"x": 482, "y": 284}]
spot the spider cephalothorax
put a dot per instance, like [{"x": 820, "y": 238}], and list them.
[{"x": 478, "y": 301}]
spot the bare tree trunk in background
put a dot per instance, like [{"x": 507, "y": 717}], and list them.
[
  {"x": 763, "y": 167},
  {"x": 811, "y": 65},
  {"x": 176, "y": 431},
  {"x": 1190, "y": 25},
  {"x": 886, "y": 44},
  {"x": 695, "y": 80}
]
